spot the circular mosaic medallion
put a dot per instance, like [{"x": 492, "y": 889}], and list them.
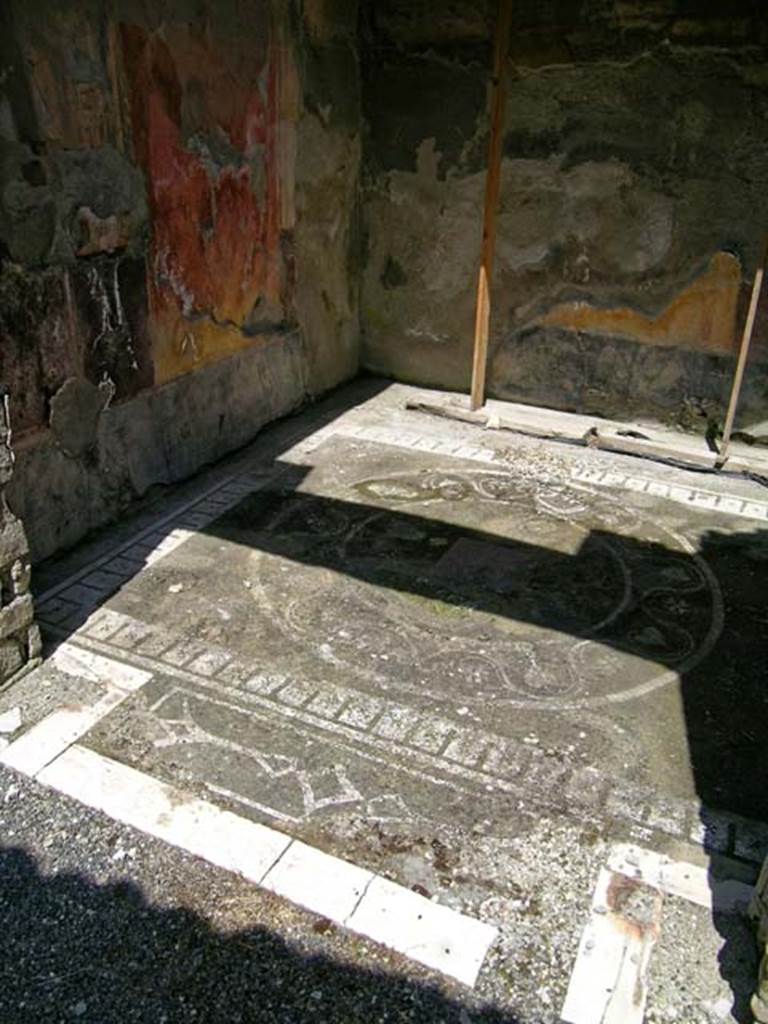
[{"x": 481, "y": 587}]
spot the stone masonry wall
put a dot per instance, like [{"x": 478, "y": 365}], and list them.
[
  {"x": 178, "y": 237},
  {"x": 19, "y": 636},
  {"x": 633, "y": 199},
  {"x": 758, "y": 911}
]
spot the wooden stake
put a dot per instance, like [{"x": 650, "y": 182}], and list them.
[
  {"x": 746, "y": 340},
  {"x": 483, "y": 309}
]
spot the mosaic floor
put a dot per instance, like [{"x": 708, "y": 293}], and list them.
[
  {"x": 399, "y": 630},
  {"x": 379, "y": 632}
]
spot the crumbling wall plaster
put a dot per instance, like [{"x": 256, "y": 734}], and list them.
[
  {"x": 86, "y": 475},
  {"x": 178, "y": 197},
  {"x": 632, "y": 201}
]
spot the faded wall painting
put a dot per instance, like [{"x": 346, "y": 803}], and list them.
[{"x": 205, "y": 120}]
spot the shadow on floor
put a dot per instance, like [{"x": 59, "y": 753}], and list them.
[
  {"x": 723, "y": 686},
  {"x": 73, "y": 950},
  {"x": 724, "y": 694}
]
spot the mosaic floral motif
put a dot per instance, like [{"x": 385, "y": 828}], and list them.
[{"x": 480, "y": 586}]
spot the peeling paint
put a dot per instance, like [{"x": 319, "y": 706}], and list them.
[
  {"x": 628, "y": 223},
  {"x": 702, "y": 316},
  {"x": 206, "y": 138}
]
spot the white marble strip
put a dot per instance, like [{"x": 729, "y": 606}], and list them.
[
  {"x": 433, "y": 935},
  {"x": 678, "y": 878},
  {"x": 427, "y": 932},
  {"x": 608, "y": 983},
  {"x": 318, "y": 881},
  {"x": 46, "y": 740},
  {"x": 83, "y": 664},
  {"x": 691, "y": 497},
  {"x": 145, "y": 803}
]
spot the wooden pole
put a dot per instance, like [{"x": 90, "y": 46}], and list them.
[
  {"x": 492, "y": 180},
  {"x": 746, "y": 340}
]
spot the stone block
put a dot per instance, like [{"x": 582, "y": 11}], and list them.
[
  {"x": 759, "y": 1004},
  {"x": 16, "y": 616},
  {"x": 13, "y": 543},
  {"x": 758, "y": 911},
  {"x": 19, "y": 637},
  {"x": 758, "y": 908},
  {"x": 21, "y": 574},
  {"x": 34, "y": 643},
  {"x": 11, "y": 658}
]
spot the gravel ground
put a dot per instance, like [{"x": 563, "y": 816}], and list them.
[
  {"x": 102, "y": 924},
  {"x": 709, "y": 980}
]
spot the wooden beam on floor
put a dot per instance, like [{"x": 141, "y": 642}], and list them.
[
  {"x": 448, "y": 412},
  {"x": 550, "y": 424},
  {"x": 492, "y": 181},
  {"x": 647, "y": 448}
]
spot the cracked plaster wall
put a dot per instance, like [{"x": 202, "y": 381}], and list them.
[
  {"x": 178, "y": 237},
  {"x": 633, "y": 197},
  {"x": 181, "y": 242}
]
